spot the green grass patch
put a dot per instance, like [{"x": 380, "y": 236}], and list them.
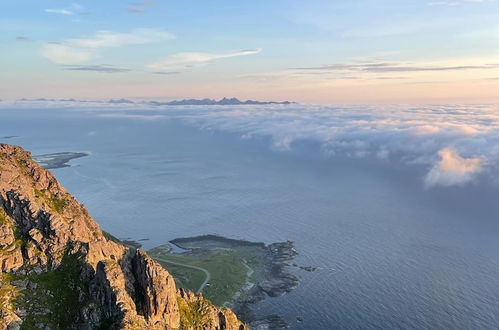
[
  {"x": 56, "y": 204},
  {"x": 58, "y": 296},
  {"x": 8, "y": 293},
  {"x": 3, "y": 217},
  {"x": 186, "y": 278},
  {"x": 194, "y": 315},
  {"x": 19, "y": 241},
  {"x": 228, "y": 270},
  {"x": 59, "y": 204}
]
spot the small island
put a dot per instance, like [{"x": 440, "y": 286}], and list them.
[{"x": 58, "y": 159}]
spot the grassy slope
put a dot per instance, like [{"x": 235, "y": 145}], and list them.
[
  {"x": 228, "y": 269},
  {"x": 57, "y": 292},
  {"x": 186, "y": 278}
]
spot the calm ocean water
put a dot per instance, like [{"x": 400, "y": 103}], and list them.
[{"x": 390, "y": 253}]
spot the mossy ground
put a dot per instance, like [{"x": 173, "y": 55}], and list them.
[
  {"x": 194, "y": 315},
  {"x": 55, "y": 204},
  {"x": 3, "y": 217},
  {"x": 4, "y": 221},
  {"x": 8, "y": 293},
  {"x": 55, "y": 297}
]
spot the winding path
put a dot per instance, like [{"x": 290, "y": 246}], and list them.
[{"x": 206, "y": 272}]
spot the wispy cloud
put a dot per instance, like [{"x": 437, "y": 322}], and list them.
[
  {"x": 104, "y": 68},
  {"x": 103, "y": 39},
  {"x": 72, "y": 10},
  {"x": 59, "y": 11},
  {"x": 134, "y": 10},
  {"x": 187, "y": 60},
  {"x": 78, "y": 50},
  {"x": 395, "y": 67},
  {"x": 383, "y": 70},
  {"x": 64, "y": 54},
  {"x": 135, "y": 6},
  {"x": 456, "y": 2},
  {"x": 166, "y": 72},
  {"x": 22, "y": 38},
  {"x": 144, "y": 3}
]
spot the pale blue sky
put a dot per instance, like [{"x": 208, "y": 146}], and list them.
[{"x": 314, "y": 51}]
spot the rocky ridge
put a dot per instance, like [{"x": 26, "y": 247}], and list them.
[{"x": 60, "y": 271}]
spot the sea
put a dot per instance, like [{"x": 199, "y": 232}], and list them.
[{"x": 347, "y": 185}]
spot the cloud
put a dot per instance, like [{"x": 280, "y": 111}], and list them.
[
  {"x": 166, "y": 72},
  {"x": 59, "y": 11},
  {"x": 425, "y": 129},
  {"x": 104, "y": 38},
  {"x": 144, "y": 3},
  {"x": 78, "y": 50},
  {"x": 72, "y": 10},
  {"x": 23, "y": 38},
  {"x": 405, "y": 135},
  {"x": 377, "y": 69},
  {"x": 96, "y": 68},
  {"x": 187, "y": 60},
  {"x": 456, "y": 2},
  {"x": 395, "y": 67},
  {"x": 135, "y": 10},
  {"x": 63, "y": 54},
  {"x": 452, "y": 169}
]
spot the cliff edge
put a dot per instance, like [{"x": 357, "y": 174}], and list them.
[{"x": 60, "y": 271}]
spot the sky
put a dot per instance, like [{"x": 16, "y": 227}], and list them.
[{"x": 321, "y": 52}]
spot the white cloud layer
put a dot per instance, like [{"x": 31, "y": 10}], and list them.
[
  {"x": 453, "y": 144},
  {"x": 186, "y": 60},
  {"x": 79, "y": 50}
]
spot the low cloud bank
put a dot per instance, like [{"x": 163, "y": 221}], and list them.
[{"x": 455, "y": 143}]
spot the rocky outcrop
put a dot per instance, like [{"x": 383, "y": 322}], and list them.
[
  {"x": 59, "y": 271},
  {"x": 198, "y": 313}
]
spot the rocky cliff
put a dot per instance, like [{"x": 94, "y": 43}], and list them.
[{"x": 60, "y": 271}]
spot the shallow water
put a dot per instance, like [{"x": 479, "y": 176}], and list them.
[{"x": 390, "y": 253}]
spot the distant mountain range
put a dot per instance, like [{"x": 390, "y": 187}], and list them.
[{"x": 224, "y": 101}]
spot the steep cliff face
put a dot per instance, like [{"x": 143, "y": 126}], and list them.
[{"x": 59, "y": 271}]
